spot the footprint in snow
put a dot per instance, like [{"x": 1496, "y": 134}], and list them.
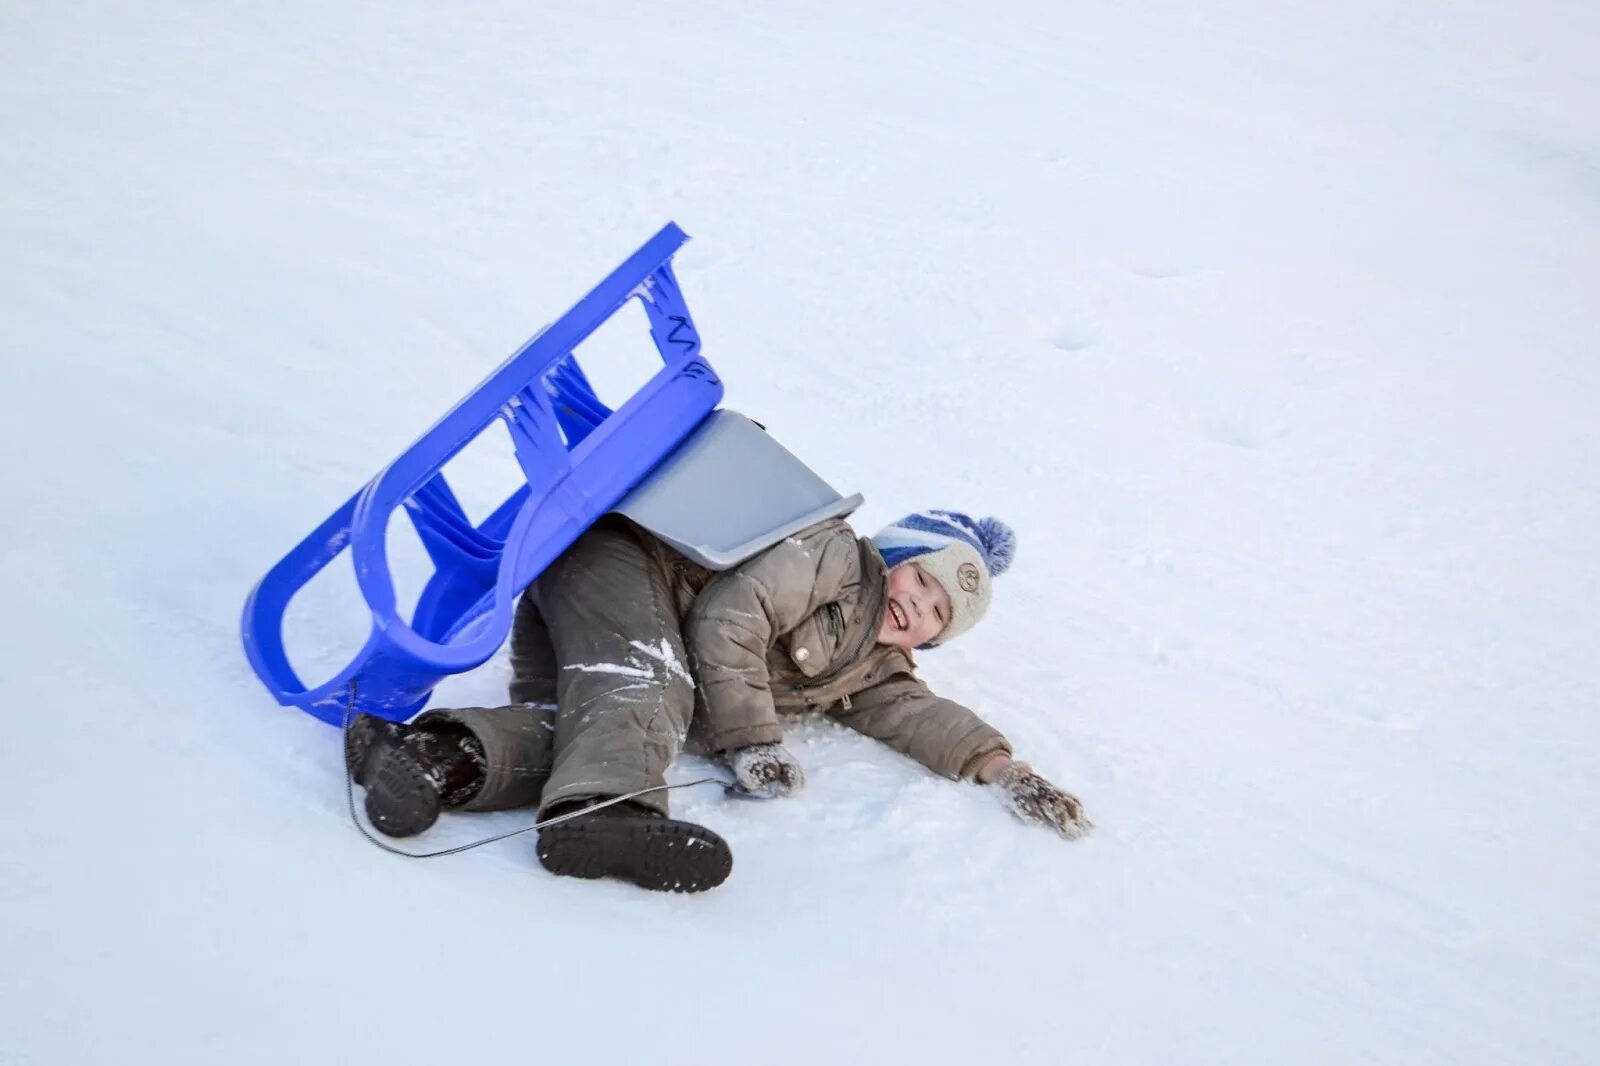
[
  {"x": 1073, "y": 336},
  {"x": 1165, "y": 271},
  {"x": 1244, "y": 429}
]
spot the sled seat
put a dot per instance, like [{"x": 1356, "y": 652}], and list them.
[
  {"x": 729, "y": 492},
  {"x": 578, "y": 457}
]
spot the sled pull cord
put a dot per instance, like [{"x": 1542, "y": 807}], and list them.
[{"x": 350, "y": 799}]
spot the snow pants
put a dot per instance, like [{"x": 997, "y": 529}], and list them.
[{"x": 601, "y": 694}]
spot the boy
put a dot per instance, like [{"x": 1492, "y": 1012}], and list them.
[{"x": 636, "y": 649}]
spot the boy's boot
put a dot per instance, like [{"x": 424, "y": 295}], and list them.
[
  {"x": 636, "y": 844},
  {"x": 410, "y": 773}
]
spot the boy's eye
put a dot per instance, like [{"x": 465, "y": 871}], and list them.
[{"x": 921, "y": 580}]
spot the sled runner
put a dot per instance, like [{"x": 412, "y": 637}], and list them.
[{"x": 714, "y": 485}]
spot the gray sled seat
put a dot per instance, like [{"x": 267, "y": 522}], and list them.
[{"x": 729, "y": 492}]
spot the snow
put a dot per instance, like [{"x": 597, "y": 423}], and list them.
[
  {"x": 1270, "y": 329},
  {"x": 610, "y": 668},
  {"x": 661, "y": 652}
]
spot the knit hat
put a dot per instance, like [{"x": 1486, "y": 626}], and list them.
[{"x": 960, "y": 553}]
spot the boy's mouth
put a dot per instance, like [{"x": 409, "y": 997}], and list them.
[{"x": 897, "y": 615}]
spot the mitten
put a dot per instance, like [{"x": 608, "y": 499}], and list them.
[
  {"x": 1037, "y": 801},
  {"x": 767, "y": 770}
]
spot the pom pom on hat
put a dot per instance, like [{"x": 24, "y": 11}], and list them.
[
  {"x": 999, "y": 545},
  {"x": 961, "y": 553}
]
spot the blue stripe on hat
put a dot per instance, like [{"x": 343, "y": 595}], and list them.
[{"x": 932, "y": 530}]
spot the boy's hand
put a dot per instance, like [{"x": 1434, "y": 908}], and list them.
[
  {"x": 767, "y": 770},
  {"x": 1037, "y": 801}
]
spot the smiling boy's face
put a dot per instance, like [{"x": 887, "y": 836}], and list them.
[{"x": 916, "y": 609}]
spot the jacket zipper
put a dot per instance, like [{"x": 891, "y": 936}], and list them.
[{"x": 848, "y": 657}]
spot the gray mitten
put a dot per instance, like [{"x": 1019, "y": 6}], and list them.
[
  {"x": 767, "y": 770},
  {"x": 1037, "y": 801}
]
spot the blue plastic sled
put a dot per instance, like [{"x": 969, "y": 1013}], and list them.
[{"x": 579, "y": 458}]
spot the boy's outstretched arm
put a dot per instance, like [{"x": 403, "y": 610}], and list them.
[
  {"x": 953, "y": 741},
  {"x": 940, "y": 734}
]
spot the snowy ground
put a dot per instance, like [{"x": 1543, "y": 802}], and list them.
[{"x": 1271, "y": 327}]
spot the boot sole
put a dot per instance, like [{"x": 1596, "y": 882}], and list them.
[
  {"x": 402, "y": 799},
  {"x": 660, "y": 854}
]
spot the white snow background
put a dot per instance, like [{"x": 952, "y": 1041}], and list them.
[{"x": 1272, "y": 329}]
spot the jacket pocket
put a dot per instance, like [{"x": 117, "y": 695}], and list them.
[{"x": 814, "y": 643}]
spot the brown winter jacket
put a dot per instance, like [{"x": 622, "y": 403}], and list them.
[{"x": 794, "y": 629}]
